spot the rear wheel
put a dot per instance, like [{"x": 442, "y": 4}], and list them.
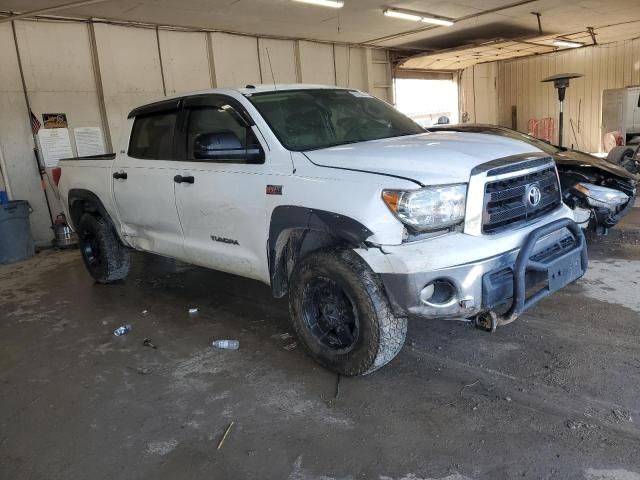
[
  {"x": 342, "y": 315},
  {"x": 106, "y": 259}
]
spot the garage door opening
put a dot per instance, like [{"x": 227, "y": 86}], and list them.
[{"x": 427, "y": 96}]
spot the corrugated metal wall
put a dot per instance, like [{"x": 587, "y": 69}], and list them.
[
  {"x": 517, "y": 82},
  {"x": 478, "y": 93}
]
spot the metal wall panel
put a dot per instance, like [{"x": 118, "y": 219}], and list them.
[
  {"x": 16, "y": 140},
  {"x": 236, "y": 60},
  {"x": 71, "y": 91},
  {"x": 130, "y": 69},
  {"x": 317, "y": 63},
  {"x": 278, "y": 61},
  {"x": 479, "y": 93},
  {"x": 350, "y": 67},
  {"x": 613, "y": 65},
  {"x": 184, "y": 61}
]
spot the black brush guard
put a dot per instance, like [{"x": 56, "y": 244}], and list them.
[{"x": 558, "y": 271}]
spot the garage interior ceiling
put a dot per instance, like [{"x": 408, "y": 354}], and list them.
[
  {"x": 484, "y": 31},
  {"x": 456, "y": 59}
]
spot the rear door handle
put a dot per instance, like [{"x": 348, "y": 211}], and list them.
[
  {"x": 181, "y": 179},
  {"x": 120, "y": 175}
]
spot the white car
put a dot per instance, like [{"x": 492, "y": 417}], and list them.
[{"x": 335, "y": 198}]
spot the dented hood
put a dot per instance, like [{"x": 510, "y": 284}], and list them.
[{"x": 429, "y": 158}]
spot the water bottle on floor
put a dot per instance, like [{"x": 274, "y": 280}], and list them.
[
  {"x": 123, "y": 330},
  {"x": 226, "y": 344}
]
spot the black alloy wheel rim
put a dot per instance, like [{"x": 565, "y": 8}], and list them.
[
  {"x": 329, "y": 315},
  {"x": 91, "y": 249}
]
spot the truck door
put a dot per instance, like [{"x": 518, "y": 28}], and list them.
[
  {"x": 143, "y": 185},
  {"x": 220, "y": 194}
]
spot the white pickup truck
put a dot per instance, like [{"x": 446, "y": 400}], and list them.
[{"x": 333, "y": 197}]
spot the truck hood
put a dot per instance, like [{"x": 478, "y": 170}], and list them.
[{"x": 429, "y": 158}]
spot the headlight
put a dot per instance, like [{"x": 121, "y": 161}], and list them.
[
  {"x": 598, "y": 196},
  {"x": 429, "y": 208}
]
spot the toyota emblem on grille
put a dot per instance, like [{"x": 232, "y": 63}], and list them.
[{"x": 534, "y": 195}]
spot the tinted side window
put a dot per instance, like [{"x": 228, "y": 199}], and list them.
[
  {"x": 152, "y": 136},
  {"x": 203, "y": 120}
]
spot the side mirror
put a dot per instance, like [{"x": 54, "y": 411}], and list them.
[{"x": 225, "y": 146}]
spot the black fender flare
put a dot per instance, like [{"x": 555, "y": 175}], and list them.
[
  {"x": 286, "y": 219},
  {"x": 88, "y": 198}
]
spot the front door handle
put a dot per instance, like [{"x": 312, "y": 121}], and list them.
[
  {"x": 181, "y": 179},
  {"x": 120, "y": 175}
]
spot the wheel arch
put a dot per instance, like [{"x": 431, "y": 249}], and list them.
[
  {"x": 81, "y": 201},
  {"x": 296, "y": 231}
]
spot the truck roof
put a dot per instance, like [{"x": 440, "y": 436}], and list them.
[
  {"x": 270, "y": 87},
  {"x": 160, "y": 104}
]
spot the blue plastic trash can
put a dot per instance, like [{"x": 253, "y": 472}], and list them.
[{"x": 16, "y": 242}]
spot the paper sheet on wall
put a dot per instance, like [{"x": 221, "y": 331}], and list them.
[
  {"x": 89, "y": 141},
  {"x": 54, "y": 144}
]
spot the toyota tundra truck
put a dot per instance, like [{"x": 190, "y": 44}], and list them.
[{"x": 334, "y": 198}]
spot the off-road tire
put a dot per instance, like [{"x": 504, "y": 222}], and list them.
[
  {"x": 381, "y": 334},
  {"x": 111, "y": 260}
]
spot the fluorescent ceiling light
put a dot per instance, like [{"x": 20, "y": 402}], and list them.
[
  {"x": 417, "y": 17},
  {"x": 562, "y": 42},
  {"x": 438, "y": 21},
  {"x": 324, "y": 3},
  {"x": 402, "y": 15}
]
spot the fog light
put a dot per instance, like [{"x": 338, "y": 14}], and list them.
[
  {"x": 439, "y": 292},
  {"x": 427, "y": 292}
]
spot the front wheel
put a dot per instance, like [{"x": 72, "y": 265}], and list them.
[
  {"x": 106, "y": 259},
  {"x": 341, "y": 313}
]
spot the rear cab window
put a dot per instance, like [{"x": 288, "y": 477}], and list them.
[{"x": 152, "y": 136}]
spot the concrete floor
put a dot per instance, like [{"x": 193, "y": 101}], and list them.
[{"x": 554, "y": 395}]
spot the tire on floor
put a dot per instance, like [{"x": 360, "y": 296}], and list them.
[
  {"x": 106, "y": 259},
  {"x": 342, "y": 315}
]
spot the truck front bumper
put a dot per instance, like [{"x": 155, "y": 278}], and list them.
[{"x": 549, "y": 257}]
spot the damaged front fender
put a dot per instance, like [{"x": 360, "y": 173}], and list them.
[{"x": 296, "y": 231}]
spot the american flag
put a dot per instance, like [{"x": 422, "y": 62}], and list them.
[{"x": 35, "y": 123}]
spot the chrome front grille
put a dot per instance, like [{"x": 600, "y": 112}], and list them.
[{"x": 519, "y": 199}]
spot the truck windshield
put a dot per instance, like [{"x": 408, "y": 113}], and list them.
[{"x": 320, "y": 118}]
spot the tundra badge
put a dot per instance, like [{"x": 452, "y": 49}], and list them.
[{"x": 230, "y": 241}]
